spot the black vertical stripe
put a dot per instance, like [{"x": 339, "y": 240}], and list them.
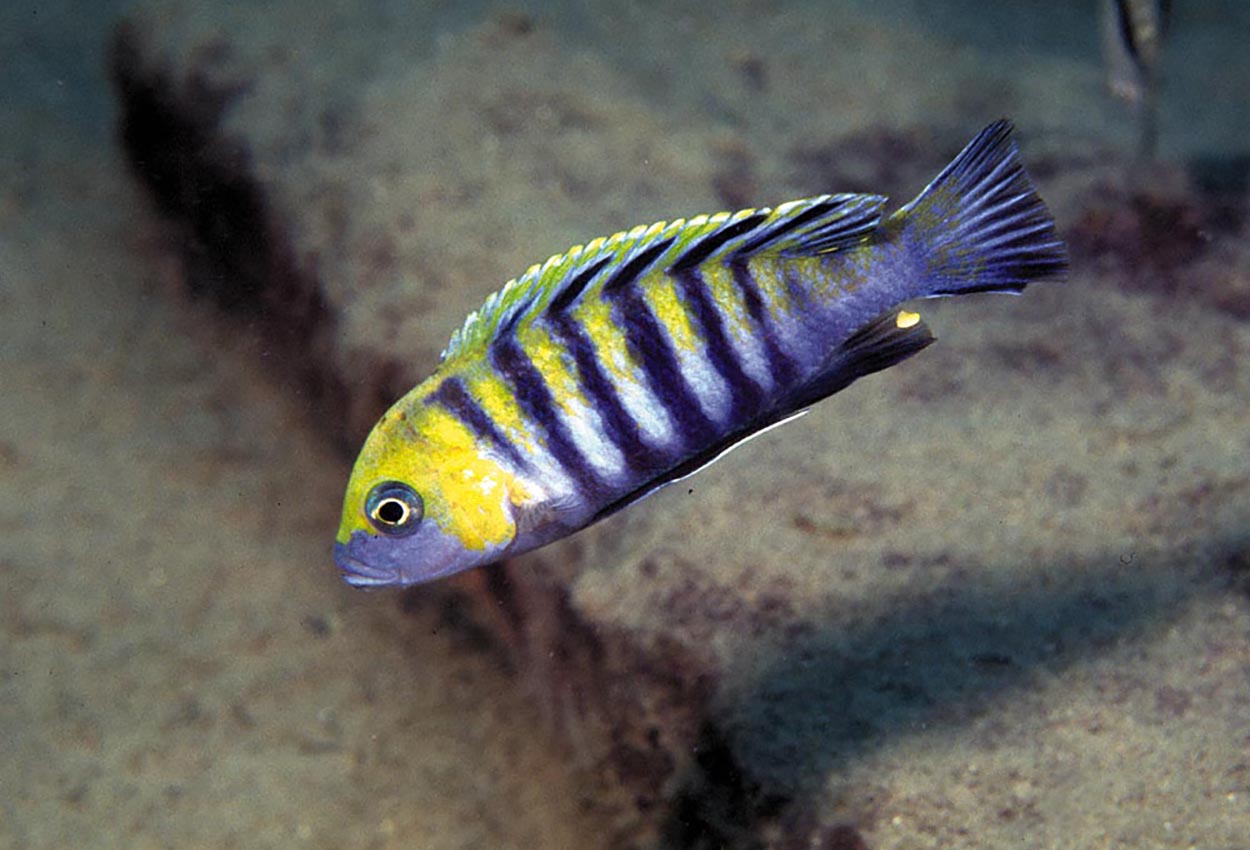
[
  {"x": 780, "y": 365},
  {"x": 630, "y": 271},
  {"x": 654, "y": 352},
  {"x": 534, "y": 398},
  {"x": 746, "y": 395},
  {"x": 696, "y": 255},
  {"x": 569, "y": 292},
  {"x": 619, "y": 427},
  {"x": 452, "y": 395},
  {"x": 774, "y": 233}
]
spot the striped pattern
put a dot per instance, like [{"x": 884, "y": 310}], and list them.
[
  {"x": 745, "y": 394},
  {"x": 635, "y": 360},
  {"x": 653, "y": 350},
  {"x": 536, "y": 401},
  {"x": 619, "y": 428},
  {"x": 452, "y": 396},
  {"x": 781, "y": 367},
  {"x": 822, "y": 224},
  {"x": 632, "y": 354}
]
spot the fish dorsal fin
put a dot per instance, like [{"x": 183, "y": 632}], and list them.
[
  {"x": 560, "y": 281},
  {"x": 799, "y": 228}
]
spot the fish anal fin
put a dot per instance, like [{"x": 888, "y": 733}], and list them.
[{"x": 887, "y": 340}]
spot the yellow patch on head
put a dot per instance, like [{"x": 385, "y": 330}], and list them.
[{"x": 424, "y": 446}]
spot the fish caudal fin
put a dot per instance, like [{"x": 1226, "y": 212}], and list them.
[{"x": 980, "y": 223}]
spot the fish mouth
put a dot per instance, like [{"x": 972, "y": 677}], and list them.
[{"x": 359, "y": 574}]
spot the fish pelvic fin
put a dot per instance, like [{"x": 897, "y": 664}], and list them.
[{"x": 980, "y": 224}]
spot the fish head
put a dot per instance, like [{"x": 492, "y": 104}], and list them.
[{"x": 423, "y": 502}]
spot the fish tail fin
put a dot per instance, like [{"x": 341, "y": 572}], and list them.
[{"x": 980, "y": 223}]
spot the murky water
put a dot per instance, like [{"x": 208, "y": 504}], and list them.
[{"x": 994, "y": 597}]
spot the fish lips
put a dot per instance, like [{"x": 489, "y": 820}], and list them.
[
  {"x": 371, "y": 560},
  {"x": 357, "y": 573}
]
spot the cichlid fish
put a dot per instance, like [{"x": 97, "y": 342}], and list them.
[{"x": 629, "y": 363}]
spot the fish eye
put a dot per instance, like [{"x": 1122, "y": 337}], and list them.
[{"x": 394, "y": 508}]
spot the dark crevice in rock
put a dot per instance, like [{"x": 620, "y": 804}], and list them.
[
  {"x": 204, "y": 184},
  {"x": 639, "y": 707},
  {"x": 718, "y": 807}
]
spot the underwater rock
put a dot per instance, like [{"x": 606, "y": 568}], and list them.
[
  {"x": 357, "y": 203},
  {"x": 944, "y": 604}
]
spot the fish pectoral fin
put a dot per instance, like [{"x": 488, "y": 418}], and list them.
[
  {"x": 889, "y": 339},
  {"x": 537, "y": 517}
]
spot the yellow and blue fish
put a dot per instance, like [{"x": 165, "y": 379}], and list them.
[{"x": 629, "y": 363}]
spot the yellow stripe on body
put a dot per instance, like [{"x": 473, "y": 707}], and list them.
[
  {"x": 497, "y": 401},
  {"x": 622, "y": 370},
  {"x": 769, "y": 274},
  {"x": 594, "y": 314},
  {"x": 728, "y": 299},
  {"x": 581, "y": 418},
  {"x": 556, "y": 367},
  {"x": 738, "y": 324},
  {"x": 708, "y": 386},
  {"x": 823, "y": 278},
  {"x": 770, "y": 279},
  {"x": 841, "y": 274},
  {"x": 666, "y": 305}
]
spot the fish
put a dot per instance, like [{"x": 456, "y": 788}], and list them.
[
  {"x": 633, "y": 361},
  {"x": 1133, "y": 36}
]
